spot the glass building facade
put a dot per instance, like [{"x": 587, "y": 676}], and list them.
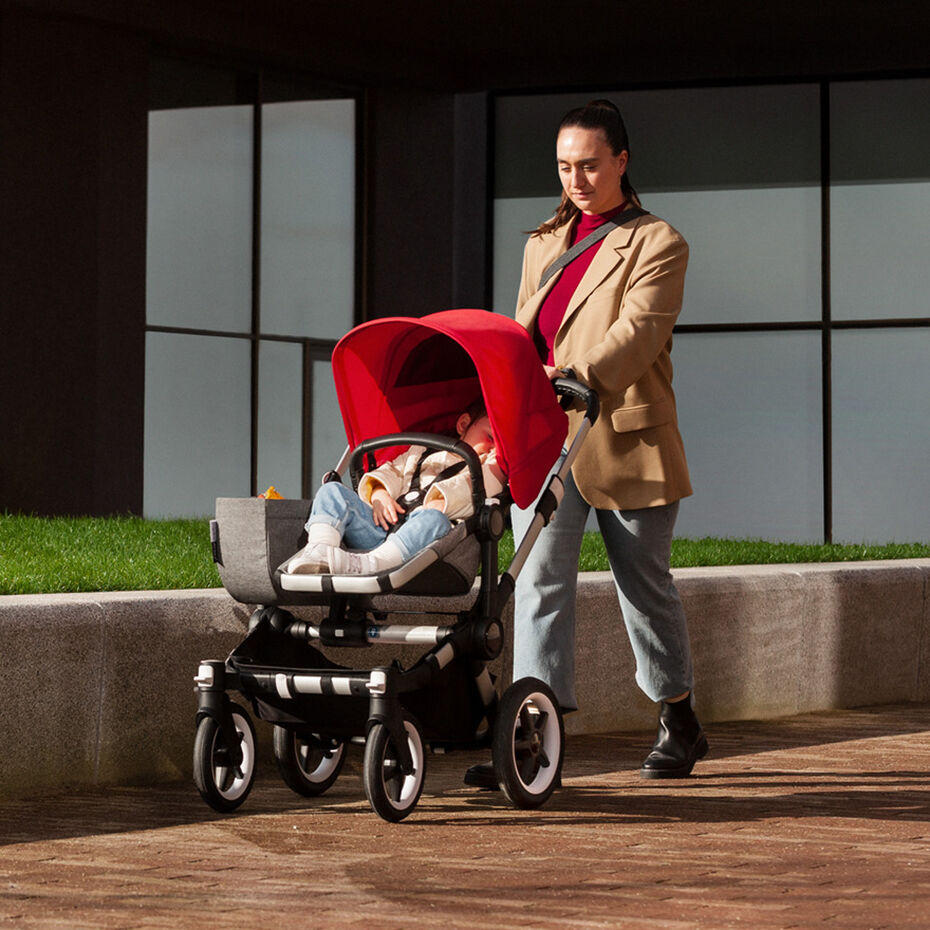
[
  {"x": 802, "y": 354},
  {"x": 251, "y": 278}
]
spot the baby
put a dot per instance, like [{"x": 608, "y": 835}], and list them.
[{"x": 435, "y": 486}]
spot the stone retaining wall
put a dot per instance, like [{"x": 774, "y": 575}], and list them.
[{"x": 98, "y": 687}]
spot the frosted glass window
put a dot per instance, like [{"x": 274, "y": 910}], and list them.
[
  {"x": 879, "y": 234},
  {"x": 754, "y": 254},
  {"x": 329, "y": 435},
  {"x": 308, "y": 218},
  {"x": 881, "y": 435},
  {"x": 280, "y": 417},
  {"x": 197, "y": 423},
  {"x": 880, "y": 199},
  {"x": 199, "y": 247},
  {"x": 749, "y": 409}
]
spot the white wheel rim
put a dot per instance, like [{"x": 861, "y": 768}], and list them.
[
  {"x": 240, "y": 783},
  {"x": 411, "y": 782},
  {"x": 537, "y": 703},
  {"x": 324, "y": 768}
]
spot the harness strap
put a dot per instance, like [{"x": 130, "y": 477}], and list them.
[
  {"x": 413, "y": 496},
  {"x": 567, "y": 257}
]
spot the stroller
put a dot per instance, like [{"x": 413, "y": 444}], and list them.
[{"x": 400, "y": 382}]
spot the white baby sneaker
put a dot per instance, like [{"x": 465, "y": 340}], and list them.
[{"x": 311, "y": 560}]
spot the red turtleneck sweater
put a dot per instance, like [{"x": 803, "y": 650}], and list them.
[{"x": 556, "y": 302}]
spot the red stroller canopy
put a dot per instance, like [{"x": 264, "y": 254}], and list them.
[{"x": 420, "y": 373}]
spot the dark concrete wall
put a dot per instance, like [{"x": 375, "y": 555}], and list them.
[
  {"x": 72, "y": 266},
  {"x": 409, "y": 203},
  {"x": 426, "y": 208}
]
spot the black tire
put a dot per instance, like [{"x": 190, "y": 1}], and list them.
[
  {"x": 528, "y": 743},
  {"x": 308, "y": 764},
  {"x": 392, "y": 794},
  {"x": 223, "y": 786}
]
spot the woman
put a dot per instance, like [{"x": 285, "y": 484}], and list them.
[{"x": 606, "y": 318}]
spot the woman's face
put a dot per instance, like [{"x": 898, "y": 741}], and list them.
[{"x": 589, "y": 170}]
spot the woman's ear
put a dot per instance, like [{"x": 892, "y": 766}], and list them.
[{"x": 462, "y": 424}]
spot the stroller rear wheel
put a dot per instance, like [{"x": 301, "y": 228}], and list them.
[
  {"x": 309, "y": 764},
  {"x": 222, "y": 783},
  {"x": 391, "y": 793},
  {"x": 528, "y": 743}
]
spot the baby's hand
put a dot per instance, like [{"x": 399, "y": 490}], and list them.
[
  {"x": 384, "y": 508},
  {"x": 437, "y": 503}
]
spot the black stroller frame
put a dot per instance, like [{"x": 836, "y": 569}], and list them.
[{"x": 446, "y": 700}]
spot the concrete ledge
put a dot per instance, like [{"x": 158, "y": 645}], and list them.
[{"x": 98, "y": 687}]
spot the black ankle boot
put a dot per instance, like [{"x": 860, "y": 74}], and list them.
[
  {"x": 482, "y": 776},
  {"x": 679, "y": 744}
]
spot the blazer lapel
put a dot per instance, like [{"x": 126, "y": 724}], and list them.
[{"x": 609, "y": 257}]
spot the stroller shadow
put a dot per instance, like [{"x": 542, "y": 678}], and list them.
[{"x": 776, "y": 795}]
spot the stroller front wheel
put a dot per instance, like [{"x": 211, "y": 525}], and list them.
[
  {"x": 309, "y": 765},
  {"x": 391, "y": 793},
  {"x": 528, "y": 743},
  {"x": 222, "y": 782}
]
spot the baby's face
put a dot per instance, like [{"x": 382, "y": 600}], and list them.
[{"x": 478, "y": 435}]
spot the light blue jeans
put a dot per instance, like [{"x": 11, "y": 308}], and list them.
[
  {"x": 340, "y": 507},
  {"x": 638, "y": 544}
]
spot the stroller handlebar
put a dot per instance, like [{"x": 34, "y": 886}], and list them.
[{"x": 570, "y": 388}]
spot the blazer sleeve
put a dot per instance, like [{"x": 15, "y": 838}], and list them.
[
  {"x": 527, "y": 285},
  {"x": 392, "y": 476},
  {"x": 456, "y": 491}
]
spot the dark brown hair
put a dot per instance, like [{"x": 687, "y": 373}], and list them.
[
  {"x": 597, "y": 115},
  {"x": 476, "y": 410}
]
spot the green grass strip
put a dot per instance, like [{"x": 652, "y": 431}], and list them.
[
  {"x": 48, "y": 555},
  {"x": 41, "y": 555},
  {"x": 689, "y": 553}
]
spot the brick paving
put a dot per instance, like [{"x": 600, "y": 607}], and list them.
[{"x": 814, "y": 821}]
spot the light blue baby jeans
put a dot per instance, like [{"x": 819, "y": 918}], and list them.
[
  {"x": 340, "y": 507},
  {"x": 638, "y": 544}
]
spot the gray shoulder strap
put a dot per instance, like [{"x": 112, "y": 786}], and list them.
[{"x": 566, "y": 257}]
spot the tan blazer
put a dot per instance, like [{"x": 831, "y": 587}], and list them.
[{"x": 617, "y": 337}]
